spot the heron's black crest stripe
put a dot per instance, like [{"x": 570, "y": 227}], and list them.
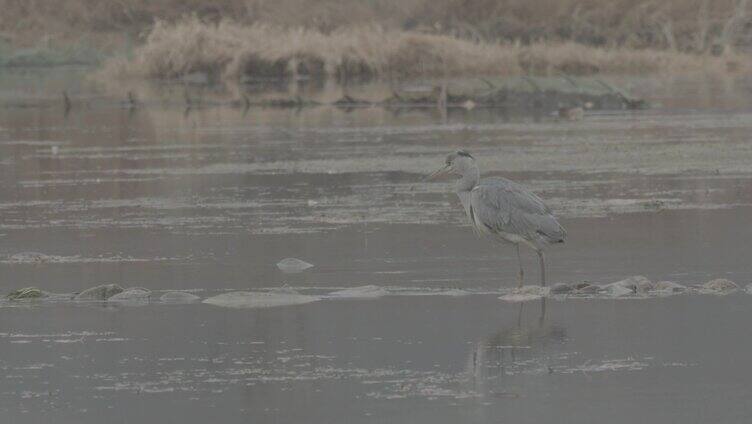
[{"x": 464, "y": 153}]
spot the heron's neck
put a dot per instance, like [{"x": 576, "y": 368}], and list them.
[{"x": 470, "y": 179}]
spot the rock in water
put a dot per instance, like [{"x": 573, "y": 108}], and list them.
[
  {"x": 292, "y": 265},
  {"x": 629, "y": 286},
  {"x": 259, "y": 299},
  {"x": 179, "y": 297},
  {"x": 131, "y": 295},
  {"x": 719, "y": 286},
  {"x": 586, "y": 288},
  {"x": 103, "y": 292},
  {"x": 643, "y": 285},
  {"x": 669, "y": 287},
  {"x": 561, "y": 288},
  {"x": 26, "y": 293},
  {"x": 617, "y": 290}
]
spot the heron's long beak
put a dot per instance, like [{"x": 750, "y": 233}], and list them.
[{"x": 439, "y": 173}]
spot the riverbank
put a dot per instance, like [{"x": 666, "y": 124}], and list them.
[{"x": 229, "y": 50}]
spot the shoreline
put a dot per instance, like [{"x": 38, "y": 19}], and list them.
[{"x": 230, "y": 51}]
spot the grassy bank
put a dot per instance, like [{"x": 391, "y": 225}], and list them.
[
  {"x": 232, "y": 38},
  {"x": 685, "y": 25},
  {"x": 232, "y": 50}
]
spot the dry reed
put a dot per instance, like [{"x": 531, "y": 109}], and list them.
[
  {"x": 395, "y": 37},
  {"x": 686, "y": 25},
  {"x": 231, "y": 50}
]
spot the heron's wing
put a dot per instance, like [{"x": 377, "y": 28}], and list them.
[{"x": 500, "y": 205}]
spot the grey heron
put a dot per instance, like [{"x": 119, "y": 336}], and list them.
[{"x": 503, "y": 209}]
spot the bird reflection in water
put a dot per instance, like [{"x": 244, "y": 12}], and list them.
[{"x": 524, "y": 347}]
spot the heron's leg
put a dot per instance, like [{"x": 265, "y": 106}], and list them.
[
  {"x": 542, "y": 259},
  {"x": 521, "y": 275}
]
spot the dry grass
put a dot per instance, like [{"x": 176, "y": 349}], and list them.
[
  {"x": 272, "y": 37},
  {"x": 686, "y": 25},
  {"x": 232, "y": 50}
]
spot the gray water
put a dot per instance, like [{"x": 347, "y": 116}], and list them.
[{"x": 209, "y": 199}]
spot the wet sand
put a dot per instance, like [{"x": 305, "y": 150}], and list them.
[{"x": 210, "y": 200}]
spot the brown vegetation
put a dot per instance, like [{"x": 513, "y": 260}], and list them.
[
  {"x": 687, "y": 25},
  {"x": 231, "y": 50},
  {"x": 403, "y": 37}
]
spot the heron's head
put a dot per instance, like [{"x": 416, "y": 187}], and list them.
[{"x": 457, "y": 164}]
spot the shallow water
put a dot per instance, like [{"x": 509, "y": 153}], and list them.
[{"x": 211, "y": 199}]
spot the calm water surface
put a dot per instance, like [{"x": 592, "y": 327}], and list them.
[{"x": 210, "y": 198}]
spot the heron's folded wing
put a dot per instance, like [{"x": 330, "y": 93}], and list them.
[{"x": 501, "y": 205}]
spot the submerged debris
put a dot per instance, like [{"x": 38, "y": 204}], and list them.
[
  {"x": 581, "y": 288},
  {"x": 561, "y": 288},
  {"x": 30, "y": 258},
  {"x": 363, "y": 292},
  {"x": 526, "y": 293},
  {"x": 293, "y": 265},
  {"x": 719, "y": 286},
  {"x": 635, "y": 286},
  {"x": 640, "y": 287},
  {"x": 107, "y": 292},
  {"x": 26, "y": 293},
  {"x": 585, "y": 288},
  {"x": 242, "y": 299},
  {"x": 102, "y": 292},
  {"x": 179, "y": 297},
  {"x": 131, "y": 295},
  {"x": 669, "y": 287},
  {"x": 629, "y": 286}
]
